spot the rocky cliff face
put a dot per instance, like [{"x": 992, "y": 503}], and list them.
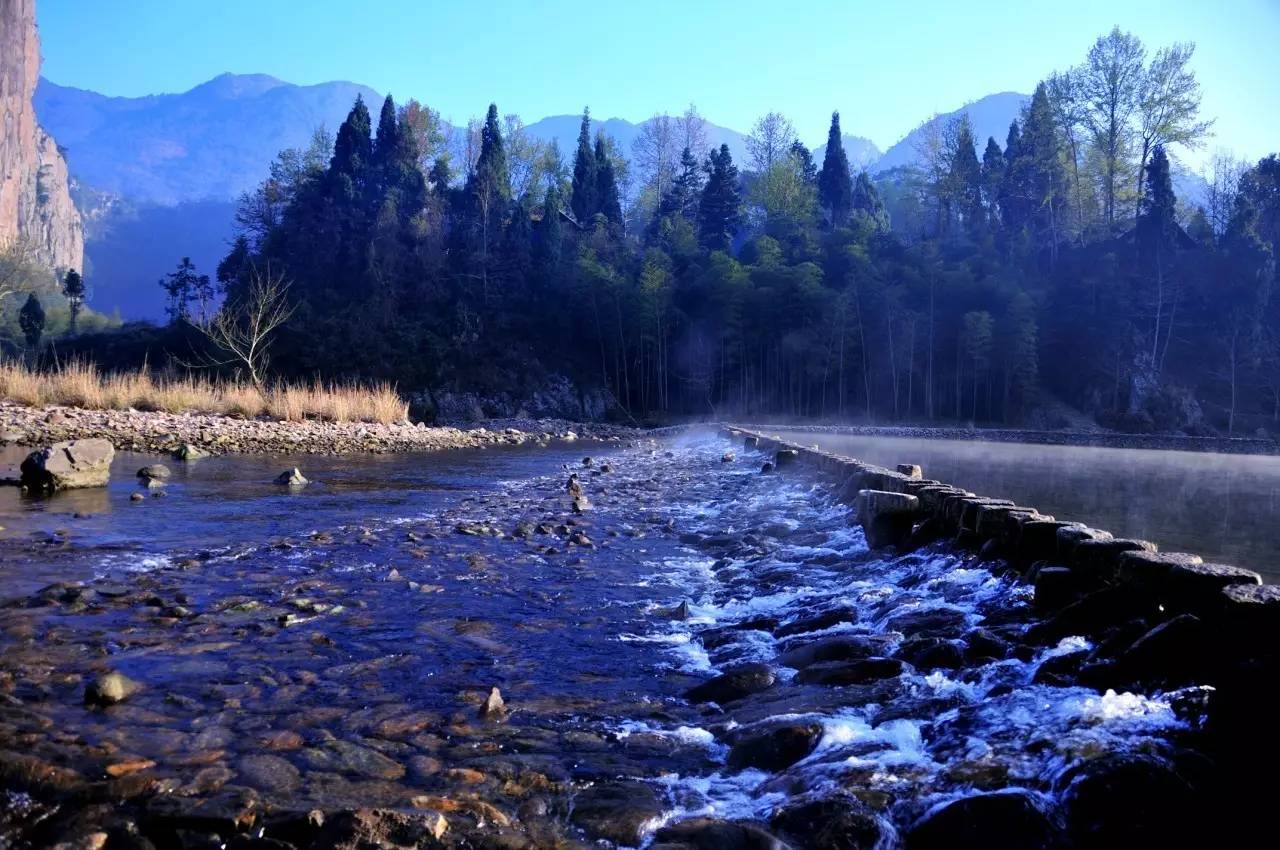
[{"x": 35, "y": 198}]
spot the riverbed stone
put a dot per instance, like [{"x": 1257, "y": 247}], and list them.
[
  {"x": 154, "y": 472},
  {"x": 292, "y": 478},
  {"x": 68, "y": 465},
  {"x": 832, "y": 648},
  {"x": 734, "y": 683},
  {"x": 774, "y": 747},
  {"x": 859, "y": 672},
  {"x": 1127, "y": 801},
  {"x": 617, "y": 811},
  {"x": 998, "y": 821},
  {"x": 835, "y": 823},
  {"x": 109, "y": 689},
  {"x": 714, "y": 834}
]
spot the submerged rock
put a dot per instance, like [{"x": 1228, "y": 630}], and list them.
[
  {"x": 68, "y": 465},
  {"x": 154, "y": 472},
  {"x": 734, "y": 683},
  {"x": 1127, "y": 801},
  {"x": 850, "y": 672}
]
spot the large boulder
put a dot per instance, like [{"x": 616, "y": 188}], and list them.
[
  {"x": 621, "y": 812},
  {"x": 837, "y": 823},
  {"x": 774, "y": 747},
  {"x": 712, "y": 834},
  {"x": 1000, "y": 821},
  {"x": 1127, "y": 801},
  {"x": 68, "y": 465}
]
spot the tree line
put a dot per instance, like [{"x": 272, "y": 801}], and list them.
[{"x": 987, "y": 283}]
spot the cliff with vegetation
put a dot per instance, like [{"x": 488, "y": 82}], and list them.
[{"x": 36, "y": 210}]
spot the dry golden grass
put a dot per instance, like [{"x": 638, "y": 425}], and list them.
[{"x": 79, "y": 384}]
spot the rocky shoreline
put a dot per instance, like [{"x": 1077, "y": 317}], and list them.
[{"x": 166, "y": 433}]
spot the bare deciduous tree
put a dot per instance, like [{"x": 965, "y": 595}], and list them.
[
  {"x": 1169, "y": 106},
  {"x": 770, "y": 140},
  {"x": 19, "y": 270},
  {"x": 243, "y": 331}
]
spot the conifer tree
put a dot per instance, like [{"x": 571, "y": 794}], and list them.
[
  {"x": 386, "y": 144},
  {"x": 835, "y": 183},
  {"x": 992, "y": 177},
  {"x": 965, "y": 176},
  {"x": 31, "y": 320},
  {"x": 583, "y": 201},
  {"x": 610, "y": 205},
  {"x": 1041, "y": 168},
  {"x": 73, "y": 291},
  {"x": 867, "y": 203},
  {"x": 720, "y": 210},
  {"x": 548, "y": 235},
  {"x": 354, "y": 145},
  {"x": 804, "y": 162},
  {"x": 1013, "y": 183}
]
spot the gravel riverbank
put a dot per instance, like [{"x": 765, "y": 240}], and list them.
[{"x": 164, "y": 433}]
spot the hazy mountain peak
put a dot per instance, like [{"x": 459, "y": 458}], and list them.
[{"x": 229, "y": 85}]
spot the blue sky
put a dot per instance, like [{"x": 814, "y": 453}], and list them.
[{"x": 884, "y": 65}]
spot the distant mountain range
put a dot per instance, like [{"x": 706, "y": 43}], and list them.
[{"x": 158, "y": 175}]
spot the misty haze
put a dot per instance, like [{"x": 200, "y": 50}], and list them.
[{"x": 664, "y": 426}]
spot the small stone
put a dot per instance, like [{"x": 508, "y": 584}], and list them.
[
  {"x": 493, "y": 706},
  {"x": 727, "y": 457},
  {"x": 292, "y": 478},
  {"x": 109, "y": 689},
  {"x": 156, "y": 471},
  {"x": 136, "y": 497}
]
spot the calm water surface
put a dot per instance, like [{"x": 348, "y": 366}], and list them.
[{"x": 1223, "y": 507}]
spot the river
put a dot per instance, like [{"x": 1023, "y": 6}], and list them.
[
  {"x": 1224, "y": 507},
  {"x": 332, "y": 648}
]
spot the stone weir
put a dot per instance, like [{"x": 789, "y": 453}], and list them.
[{"x": 1163, "y": 619}]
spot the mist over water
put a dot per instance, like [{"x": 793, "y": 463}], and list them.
[{"x": 1222, "y": 507}]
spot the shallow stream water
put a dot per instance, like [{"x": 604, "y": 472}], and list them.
[{"x": 332, "y": 647}]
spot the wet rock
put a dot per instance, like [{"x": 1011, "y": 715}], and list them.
[
  {"x": 1176, "y": 649},
  {"x": 940, "y": 622},
  {"x": 931, "y": 653},
  {"x": 136, "y": 497},
  {"x": 68, "y": 465},
  {"x": 1000, "y": 821},
  {"x": 727, "y": 457},
  {"x": 344, "y": 756},
  {"x": 825, "y": 620},
  {"x": 887, "y": 517},
  {"x": 621, "y": 812},
  {"x": 785, "y": 457},
  {"x": 187, "y": 451},
  {"x": 774, "y": 747},
  {"x": 109, "y": 689},
  {"x": 1061, "y": 669},
  {"x": 984, "y": 643},
  {"x": 712, "y": 834},
  {"x": 493, "y": 707},
  {"x": 1128, "y": 801},
  {"x": 836, "y": 673},
  {"x": 154, "y": 472},
  {"x": 834, "y": 648},
  {"x": 367, "y": 828},
  {"x": 766, "y": 468},
  {"x": 911, "y": 470},
  {"x": 292, "y": 478},
  {"x": 1055, "y": 588},
  {"x": 1093, "y": 613},
  {"x": 733, "y": 684},
  {"x": 1195, "y": 587},
  {"x": 1252, "y": 611},
  {"x": 838, "y": 823},
  {"x": 269, "y": 773}
]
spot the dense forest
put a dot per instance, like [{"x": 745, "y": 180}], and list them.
[{"x": 999, "y": 279}]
